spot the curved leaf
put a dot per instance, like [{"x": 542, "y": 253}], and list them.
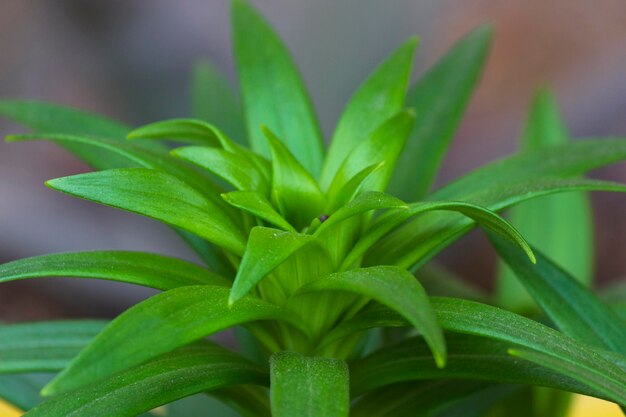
[
  {"x": 213, "y": 100},
  {"x": 272, "y": 91},
  {"x": 367, "y": 201},
  {"x": 295, "y": 192},
  {"x": 190, "y": 370},
  {"x": 259, "y": 206},
  {"x": 159, "y": 325},
  {"x": 150, "y": 270},
  {"x": 470, "y": 357},
  {"x": 384, "y": 145},
  {"x": 234, "y": 169},
  {"x": 396, "y": 288},
  {"x": 439, "y": 99},
  {"x": 158, "y": 195},
  {"x": 267, "y": 248},
  {"x": 44, "y": 346},
  {"x": 377, "y": 99},
  {"x": 353, "y": 186},
  {"x": 418, "y": 240},
  {"x": 483, "y": 216},
  {"x": 572, "y": 307},
  {"x": 308, "y": 386}
]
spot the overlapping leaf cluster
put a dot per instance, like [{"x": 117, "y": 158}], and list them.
[{"x": 305, "y": 252}]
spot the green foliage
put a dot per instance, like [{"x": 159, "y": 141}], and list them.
[{"x": 308, "y": 254}]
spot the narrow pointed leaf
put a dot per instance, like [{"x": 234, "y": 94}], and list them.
[
  {"x": 470, "y": 357},
  {"x": 367, "y": 201},
  {"x": 296, "y": 193},
  {"x": 379, "y": 98},
  {"x": 146, "y": 269},
  {"x": 47, "y": 117},
  {"x": 159, "y": 325},
  {"x": 190, "y": 370},
  {"x": 267, "y": 248},
  {"x": 469, "y": 317},
  {"x": 214, "y": 100},
  {"x": 384, "y": 145},
  {"x": 234, "y": 169},
  {"x": 353, "y": 186},
  {"x": 439, "y": 99},
  {"x": 44, "y": 346},
  {"x": 259, "y": 206},
  {"x": 559, "y": 225},
  {"x": 396, "y": 288},
  {"x": 571, "y": 306},
  {"x": 158, "y": 195},
  {"x": 308, "y": 386},
  {"x": 486, "y": 218},
  {"x": 272, "y": 92}
]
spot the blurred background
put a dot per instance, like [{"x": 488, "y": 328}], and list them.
[{"x": 131, "y": 60}]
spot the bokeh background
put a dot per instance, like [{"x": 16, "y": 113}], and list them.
[{"x": 131, "y": 60}]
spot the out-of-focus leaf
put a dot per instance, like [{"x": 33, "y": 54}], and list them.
[
  {"x": 308, "y": 386},
  {"x": 158, "y": 195},
  {"x": 214, "y": 100},
  {"x": 367, "y": 201},
  {"x": 396, "y": 288},
  {"x": 259, "y": 206},
  {"x": 470, "y": 357},
  {"x": 295, "y": 192},
  {"x": 572, "y": 307},
  {"x": 44, "y": 346},
  {"x": 248, "y": 400},
  {"x": 48, "y": 117},
  {"x": 441, "y": 282},
  {"x": 559, "y": 225},
  {"x": 159, "y": 325},
  {"x": 267, "y": 248},
  {"x": 150, "y": 270},
  {"x": 379, "y": 98},
  {"x": 483, "y": 216},
  {"x": 439, "y": 99},
  {"x": 384, "y": 145},
  {"x": 209, "y": 253},
  {"x": 237, "y": 171},
  {"x": 272, "y": 92},
  {"x": 190, "y": 370},
  {"x": 22, "y": 391}
]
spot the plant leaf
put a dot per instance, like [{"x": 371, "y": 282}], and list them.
[
  {"x": 384, "y": 145},
  {"x": 214, "y": 100},
  {"x": 353, "y": 186},
  {"x": 22, "y": 391},
  {"x": 234, "y": 169},
  {"x": 273, "y": 93},
  {"x": 380, "y": 97},
  {"x": 159, "y": 325},
  {"x": 296, "y": 193},
  {"x": 439, "y": 99},
  {"x": 367, "y": 201},
  {"x": 572, "y": 307},
  {"x": 158, "y": 195},
  {"x": 469, "y": 317},
  {"x": 190, "y": 370},
  {"x": 44, "y": 346},
  {"x": 559, "y": 225},
  {"x": 470, "y": 357},
  {"x": 396, "y": 288},
  {"x": 267, "y": 248},
  {"x": 149, "y": 270},
  {"x": 485, "y": 217},
  {"x": 259, "y": 206},
  {"x": 308, "y": 386},
  {"x": 47, "y": 117}
]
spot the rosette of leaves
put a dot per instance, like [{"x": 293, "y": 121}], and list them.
[{"x": 308, "y": 253}]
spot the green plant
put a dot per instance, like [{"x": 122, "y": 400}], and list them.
[{"x": 309, "y": 258}]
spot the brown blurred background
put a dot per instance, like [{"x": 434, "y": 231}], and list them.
[{"x": 131, "y": 60}]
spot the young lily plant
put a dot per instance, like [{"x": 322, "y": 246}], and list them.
[{"x": 313, "y": 255}]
